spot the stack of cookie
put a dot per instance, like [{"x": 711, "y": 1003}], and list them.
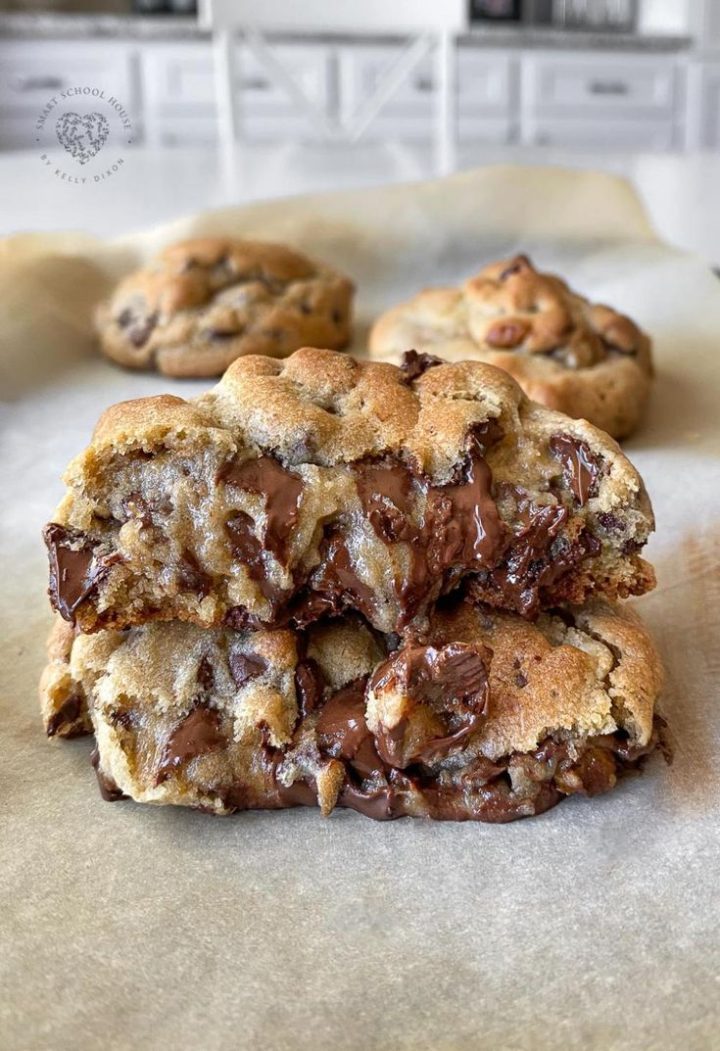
[{"x": 348, "y": 584}]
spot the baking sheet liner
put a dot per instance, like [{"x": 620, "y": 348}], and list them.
[{"x": 596, "y": 925}]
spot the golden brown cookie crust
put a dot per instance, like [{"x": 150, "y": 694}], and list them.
[
  {"x": 583, "y": 359},
  {"x": 203, "y": 303}
]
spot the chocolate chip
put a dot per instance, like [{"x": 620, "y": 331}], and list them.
[
  {"x": 507, "y": 334},
  {"x": 142, "y": 329},
  {"x": 74, "y": 572},
  {"x": 521, "y": 680},
  {"x": 581, "y": 467},
  {"x": 246, "y": 666},
  {"x": 414, "y": 364},
  {"x": 281, "y": 490},
  {"x": 337, "y": 317},
  {"x": 191, "y": 577},
  {"x": 197, "y": 734}
]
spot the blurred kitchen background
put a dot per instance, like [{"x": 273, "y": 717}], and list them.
[{"x": 323, "y": 106}]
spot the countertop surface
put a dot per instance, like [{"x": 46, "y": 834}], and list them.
[
  {"x": 52, "y": 25},
  {"x": 680, "y": 192}
]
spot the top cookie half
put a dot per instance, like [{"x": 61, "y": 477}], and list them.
[
  {"x": 203, "y": 303},
  {"x": 300, "y": 488},
  {"x": 584, "y": 359}
]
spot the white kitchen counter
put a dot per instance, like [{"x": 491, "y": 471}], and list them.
[{"x": 681, "y": 192}]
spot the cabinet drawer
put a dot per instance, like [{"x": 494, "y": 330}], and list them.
[
  {"x": 176, "y": 78},
  {"x": 484, "y": 81},
  {"x": 583, "y": 84},
  {"x": 31, "y": 74},
  {"x": 657, "y": 135}
]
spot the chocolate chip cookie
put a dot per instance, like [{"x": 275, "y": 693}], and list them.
[
  {"x": 201, "y": 304},
  {"x": 301, "y": 488},
  {"x": 488, "y": 717},
  {"x": 584, "y": 359}
]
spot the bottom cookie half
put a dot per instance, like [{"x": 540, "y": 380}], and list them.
[{"x": 486, "y": 718}]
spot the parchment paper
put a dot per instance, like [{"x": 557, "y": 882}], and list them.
[{"x": 594, "y": 926}]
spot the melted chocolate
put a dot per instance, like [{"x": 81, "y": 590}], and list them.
[
  {"x": 376, "y": 803},
  {"x": 74, "y": 572},
  {"x": 414, "y": 365},
  {"x": 581, "y": 469},
  {"x": 282, "y": 490},
  {"x": 249, "y": 550},
  {"x": 450, "y": 681},
  {"x": 387, "y": 496},
  {"x": 343, "y": 733},
  {"x": 246, "y": 666},
  {"x": 309, "y": 686},
  {"x": 198, "y": 733},
  {"x": 69, "y": 712},
  {"x": 108, "y": 789},
  {"x": 336, "y": 584}
]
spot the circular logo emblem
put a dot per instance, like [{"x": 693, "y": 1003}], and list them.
[{"x": 81, "y": 133}]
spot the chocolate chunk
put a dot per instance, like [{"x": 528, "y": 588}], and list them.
[
  {"x": 108, "y": 789},
  {"x": 581, "y": 468},
  {"x": 309, "y": 686},
  {"x": 218, "y": 335},
  {"x": 462, "y": 522},
  {"x": 198, "y": 733},
  {"x": 137, "y": 328},
  {"x": 74, "y": 572},
  {"x": 507, "y": 334},
  {"x": 450, "y": 681},
  {"x": 205, "y": 675},
  {"x": 249, "y": 550},
  {"x": 281, "y": 489},
  {"x": 191, "y": 577},
  {"x": 343, "y": 733},
  {"x": 336, "y": 583},
  {"x": 386, "y": 494},
  {"x": 414, "y": 365},
  {"x": 68, "y": 713},
  {"x": 610, "y": 522},
  {"x": 246, "y": 666}
]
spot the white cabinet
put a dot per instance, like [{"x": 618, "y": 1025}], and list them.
[
  {"x": 600, "y": 99},
  {"x": 560, "y": 98},
  {"x": 703, "y": 130},
  {"x": 486, "y": 82},
  {"x": 179, "y": 92},
  {"x": 31, "y": 74}
]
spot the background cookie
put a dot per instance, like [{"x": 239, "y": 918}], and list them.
[
  {"x": 581, "y": 358},
  {"x": 203, "y": 303}
]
